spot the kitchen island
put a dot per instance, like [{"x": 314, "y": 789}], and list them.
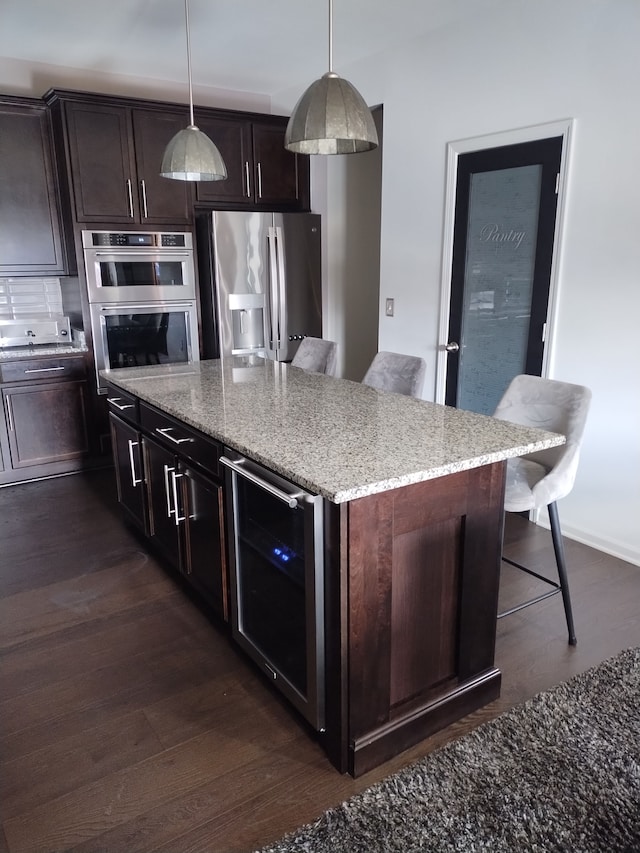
[{"x": 413, "y": 512}]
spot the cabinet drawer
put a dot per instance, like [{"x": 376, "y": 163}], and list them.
[
  {"x": 183, "y": 440},
  {"x": 122, "y": 404},
  {"x": 46, "y": 367}
]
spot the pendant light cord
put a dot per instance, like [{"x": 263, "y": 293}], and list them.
[
  {"x": 186, "y": 19},
  {"x": 330, "y": 36}
]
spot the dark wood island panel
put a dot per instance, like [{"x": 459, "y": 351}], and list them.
[{"x": 412, "y": 591}]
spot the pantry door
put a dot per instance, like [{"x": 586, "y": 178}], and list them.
[{"x": 503, "y": 241}]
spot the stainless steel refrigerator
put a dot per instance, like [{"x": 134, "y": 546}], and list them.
[{"x": 260, "y": 282}]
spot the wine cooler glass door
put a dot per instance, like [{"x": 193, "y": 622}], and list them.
[{"x": 277, "y": 582}]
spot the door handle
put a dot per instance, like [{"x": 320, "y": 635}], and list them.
[
  {"x": 135, "y": 481},
  {"x": 259, "y": 180},
  {"x": 130, "y": 198},
  {"x": 167, "y": 490},
  {"x": 174, "y": 488},
  {"x": 452, "y": 346},
  {"x": 143, "y": 187}
]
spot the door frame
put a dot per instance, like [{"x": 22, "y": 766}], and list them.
[{"x": 563, "y": 128}]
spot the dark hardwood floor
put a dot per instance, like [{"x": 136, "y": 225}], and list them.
[{"x": 129, "y": 723}]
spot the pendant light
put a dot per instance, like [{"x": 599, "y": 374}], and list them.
[
  {"x": 331, "y": 117},
  {"x": 191, "y": 155}
]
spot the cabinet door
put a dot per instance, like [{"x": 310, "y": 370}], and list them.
[
  {"x": 204, "y": 552},
  {"x": 233, "y": 141},
  {"x": 46, "y": 422},
  {"x": 30, "y": 226},
  {"x": 102, "y": 163},
  {"x": 163, "y": 499},
  {"x": 127, "y": 457},
  {"x": 163, "y": 201},
  {"x": 282, "y": 178}
]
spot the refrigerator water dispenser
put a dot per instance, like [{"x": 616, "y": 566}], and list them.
[{"x": 247, "y": 322}]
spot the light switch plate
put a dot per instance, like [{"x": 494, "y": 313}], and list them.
[{"x": 388, "y": 307}]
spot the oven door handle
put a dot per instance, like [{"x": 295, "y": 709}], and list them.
[
  {"x": 145, "y": 256},
  {"x": 289, "y": 498},
  {"x": 162, "y": 304}
]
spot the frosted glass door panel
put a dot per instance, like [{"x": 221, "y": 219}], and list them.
[{"x": 498, "y": 283}]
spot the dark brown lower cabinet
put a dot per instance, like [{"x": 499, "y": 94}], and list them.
[
  {"x": 126, "y": 444},
  {"x": 203, "y": 538},
  {"x": 185, "y": 521},
  {"x": 46, "y": 423},
  {"x": 167, "y": 489},
  {"x": 43, "y": 424},
  {"x": 160, "y": 466}
]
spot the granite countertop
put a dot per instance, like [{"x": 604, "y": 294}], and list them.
[
  {"x": 39, "y": 350},
  {"x": 337, "y": 438}
]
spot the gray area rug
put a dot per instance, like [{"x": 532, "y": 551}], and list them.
[{"x": 559, "y": 773}]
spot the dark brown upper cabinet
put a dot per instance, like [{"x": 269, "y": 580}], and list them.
[
  {"x": 113, "y": 154},
  {"x": 31, "y": 235},
  {"x": 261, "y": 173}
]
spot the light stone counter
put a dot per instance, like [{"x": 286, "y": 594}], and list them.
[
  {"x": 40, "y": 350},
  {"x": 334, "y": 437}
]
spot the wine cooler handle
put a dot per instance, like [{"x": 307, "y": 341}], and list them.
[{"x": 291, "y": 499}]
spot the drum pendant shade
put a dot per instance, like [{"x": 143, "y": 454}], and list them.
[
  {"x": 331, "y": 116},
  {"x": 191, "y": 155}
]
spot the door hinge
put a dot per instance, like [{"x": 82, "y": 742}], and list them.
[
  {"x": 557, "y": 182},
  {"x": 544, "y": 332}
]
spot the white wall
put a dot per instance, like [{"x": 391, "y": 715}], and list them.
[
  {"x": 525, "y": 64},
  {"x": 32, "y": 80}
]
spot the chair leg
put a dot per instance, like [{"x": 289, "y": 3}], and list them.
[{"x": 558, "y": 547}]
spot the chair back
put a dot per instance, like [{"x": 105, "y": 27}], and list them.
[
  {"x": 316, "y": 355},
  {"x": 392, "y": 371},
  {"x": 554, "y": 406}
]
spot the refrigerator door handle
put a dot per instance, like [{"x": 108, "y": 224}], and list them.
[
  {"x": 272, "y": 332},
  {"x": 282, "y": 296}
]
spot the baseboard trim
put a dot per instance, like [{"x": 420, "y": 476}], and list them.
[{"x": 607, "y": 546}]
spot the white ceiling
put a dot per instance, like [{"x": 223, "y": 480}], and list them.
[{"x": 260, "y": 46}]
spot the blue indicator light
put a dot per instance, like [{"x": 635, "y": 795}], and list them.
[{"x": 285, "y": 558}]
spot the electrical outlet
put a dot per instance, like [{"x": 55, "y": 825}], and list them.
[{"x": 388, "y": 308}]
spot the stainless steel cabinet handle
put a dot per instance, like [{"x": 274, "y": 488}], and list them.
[
  {"x": 164, "y": 433},
  {"x": 452, "y": 346},
  {"x": 259, "y": 180},
  {"x": 167, "y": 490},
  {"x": 290, "y": 499},
  {"x": 130, "y": 196},
  {"x": 174, "y": 489},
  {"x": 135, "y": 481},
  {"x": 114, "y": 402},
  {"x": 143, "y": 187},
  {"x": 247, "y": 180},
  {"x": 44, "y": 370},
  {"x": 9, "y": 414}
]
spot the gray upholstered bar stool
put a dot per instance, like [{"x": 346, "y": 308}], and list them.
[
  {"x": 317, "y": 355},
  {"x": 540, "y": 479},
  {"x": 391, "y": 371}
]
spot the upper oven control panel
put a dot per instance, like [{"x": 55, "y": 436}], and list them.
[{"x": 133, "y": 239}]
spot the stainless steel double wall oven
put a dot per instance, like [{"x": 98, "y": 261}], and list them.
[{"x": 142, "y": 298}]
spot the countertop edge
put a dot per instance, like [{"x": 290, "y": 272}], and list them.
[{"x": 338, "y": 495}]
